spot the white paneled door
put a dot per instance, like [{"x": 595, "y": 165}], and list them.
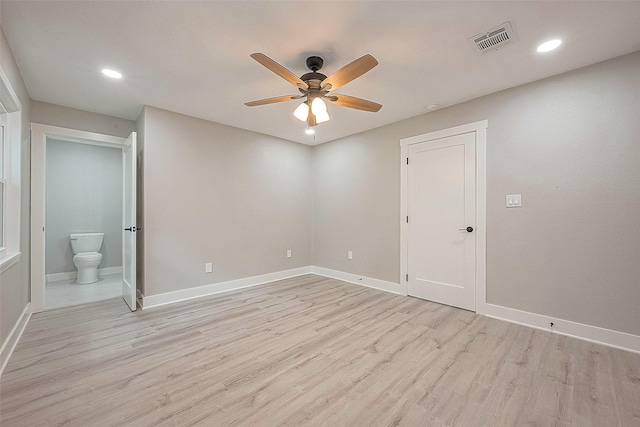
[
  {"x": 129, "y": 156},
  {"x": 441, "y": 220}
]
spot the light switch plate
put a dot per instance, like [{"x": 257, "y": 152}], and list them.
[
  {"x": 349, "y": 254},
  {"x": 288, "y": 253},
  {"x": 208, "y": 267},
  {"x": 514, "y": 200}
]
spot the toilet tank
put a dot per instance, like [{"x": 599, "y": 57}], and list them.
[{"x": 86, "y": 242}]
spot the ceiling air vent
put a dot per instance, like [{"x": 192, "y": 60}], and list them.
[{"x": 493, "y": 39}]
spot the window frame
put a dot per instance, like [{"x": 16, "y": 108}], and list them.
[{"x": 11, "y": 116}]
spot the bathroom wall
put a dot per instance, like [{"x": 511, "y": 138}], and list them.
[{"x": 83, "y": 194}]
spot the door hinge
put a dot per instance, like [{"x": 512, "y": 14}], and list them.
[
  {"x": 407, "y": 219},
  {"x": 406, "y": 278},
  {"x": 407, "y": 160}
]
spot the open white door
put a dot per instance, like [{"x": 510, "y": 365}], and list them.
[{"x": 129, "y": 153}]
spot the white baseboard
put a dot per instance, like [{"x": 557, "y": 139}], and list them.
[
  {"x": 232, "y": 285},
  {"x": 14, "y": 336},
  {"x": 54, "y": 277},
  {"x": 109, "y": 270},
  {"x": 594, "y": 334},
  {"x": 369, "y": 282}
]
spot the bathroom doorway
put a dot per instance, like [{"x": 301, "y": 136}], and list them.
[
  {"x": 83, "y": 194},
  {"x": 83, "y": 191}
]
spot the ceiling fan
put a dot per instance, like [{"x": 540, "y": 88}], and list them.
[{"x": 315, "y": 87}]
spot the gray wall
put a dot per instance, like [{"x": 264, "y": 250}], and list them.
[
  {"x": 215, "y": 193},
  {"x": 83, "y": 194},
  {"x": 14, "y": 282},
  {"x": 569, "y": 144},
  {"x": 356, "y": 205},
  {"x": 70, "y": 118}
]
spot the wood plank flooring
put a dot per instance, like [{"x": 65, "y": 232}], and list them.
[{"x": 308, "y": 351}]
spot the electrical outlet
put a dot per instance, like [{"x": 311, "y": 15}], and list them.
[
  {"x": 349, "y": 254},
  {"x": 208, "y": 267},
  {"x": 288, "y": 253}
]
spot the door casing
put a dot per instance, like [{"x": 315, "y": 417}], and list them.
[
  {"x": 39, "y": 135},
  {"x": 480, "y": 130}
]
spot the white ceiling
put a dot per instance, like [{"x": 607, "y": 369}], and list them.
[{"x": 193, "y": 57}]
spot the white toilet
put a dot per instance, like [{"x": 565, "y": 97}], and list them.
[{"x": 85, "y": 247}]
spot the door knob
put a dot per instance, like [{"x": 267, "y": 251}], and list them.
[
  {"x": 132, "y": 229},
  {"x": 467, "y": 229}
]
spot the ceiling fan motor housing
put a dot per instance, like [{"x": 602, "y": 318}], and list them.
[
  {"x": 313, "y": 79},
  {"x": 314, "y": 63}
]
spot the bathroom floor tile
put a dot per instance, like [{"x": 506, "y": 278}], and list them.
[{"x": 65, "y": 293}]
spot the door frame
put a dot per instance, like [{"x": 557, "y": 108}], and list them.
[
  {"x": 480, "y": 130},
  {"x": 39, "y": 135}
]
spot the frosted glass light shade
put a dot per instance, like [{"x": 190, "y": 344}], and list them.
[
  {"x": 302, "y": 112},
  {"x": 322, "y": 117},
  {"x": 318, "y": 107}
]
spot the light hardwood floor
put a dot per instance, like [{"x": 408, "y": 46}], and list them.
[{"x": 309, "y": 351}]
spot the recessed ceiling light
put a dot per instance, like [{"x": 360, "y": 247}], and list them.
[
  {"x": 309, "y": 131},
  {"x": 111, "y": 73},
  {"x": 549, "y": 45}
]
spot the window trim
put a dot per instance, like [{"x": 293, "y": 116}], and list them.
[{"x": 11, "y": 112}]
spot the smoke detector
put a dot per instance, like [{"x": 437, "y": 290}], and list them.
[{"x": 494, "y": 38}]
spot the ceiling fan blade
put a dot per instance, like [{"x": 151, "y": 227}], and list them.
[
  {"x": 278, "y": 69},
  {"x": 350, "y": 71},
  {"x": 272, "y": 100},
  {"x": 353, "y": 102}
]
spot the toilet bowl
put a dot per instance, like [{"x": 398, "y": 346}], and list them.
[
  {"x": 85, "y": 247},
  {"x": 87, "y": 265}
]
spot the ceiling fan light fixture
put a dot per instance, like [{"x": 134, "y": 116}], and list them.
[
  {"x": 318, "y": 106},
  {"x": 309, "y": 115},
  {"x": 322, "y": 116},
  {"x": 302, "y": 112}
]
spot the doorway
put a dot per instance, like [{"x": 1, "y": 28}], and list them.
[
  {"x": 443, "y": 198},
  {"x": 82, "y": 182},
  {"x": 83, "y": 194}
]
